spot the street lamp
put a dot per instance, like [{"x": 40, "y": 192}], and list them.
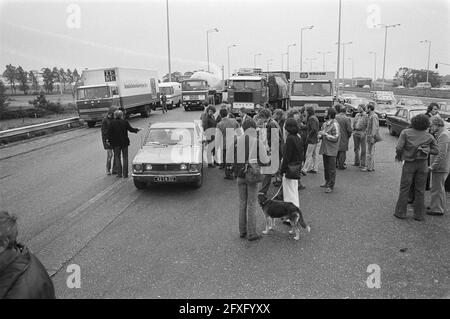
[
  {"x": 323, "y": 54},
  {"x": 343, "y": 59},
  {"x": 290, "y": 45},
  {"x": 386, "y": 27},
  {"x": 375, "y": 65},
  {"x": 207, "y": 42},
  {"x": 168, "y": 40},
  {"x": 229, "y": 47},
  {"x": 339, "y": 50},
  {"x": 254, "y": 59},
  {"x": 429, "y": 50},
  {"x": 311, "y": 63},
  {"x": 268, "y": 64},
  {"x": 301, "y": 44}
]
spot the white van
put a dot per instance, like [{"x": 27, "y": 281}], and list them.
[{"x": 173, "y": 93}]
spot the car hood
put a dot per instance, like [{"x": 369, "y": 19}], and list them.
[{"x": 156, "y": 154}]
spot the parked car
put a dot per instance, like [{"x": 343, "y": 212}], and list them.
[
  {"x": 383, "y": 110},
  {"x": 444, "y": 110},
  {"x": 408, "y": 102},
  {"x": 367, "y": 86},
  {"x": 353, "y": 103},
  {"x": 172, "y": 152},
  {"x": 400, "y": 87},
  {"x": 402, "y": 119}
]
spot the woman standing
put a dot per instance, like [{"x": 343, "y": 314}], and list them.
[
  {"x": 107, "y": 146},
  {"x": 293, "y": 154}
]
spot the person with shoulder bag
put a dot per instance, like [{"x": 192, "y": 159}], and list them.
[
  {"x": 373, "y": 136},
  {"x": 249, "y": 151},
  {"x": 291, "y": 165}
]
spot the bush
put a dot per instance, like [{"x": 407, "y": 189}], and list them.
[{"x": 41, "y": 103}]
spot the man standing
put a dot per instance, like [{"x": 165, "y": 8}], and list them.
[
  {"x": 372, "y": 131},
  {"x": 330, "y": 135},
  {"x": 222, "y": 126},
  {"x": 360, "y": 123},
  {"x": 243, "y": 115},
  {"x": 209, "y": 124},
  {"x": 312, "y": 130},
  {"x": 22, "y": 276},
  {"x": 106, "y": 145},
  {"x": 164, "y": 102},
  {"x": 440, "y": 168},
  {"x": 345, "y": 125},
  {"x": 118, "y": 138}
]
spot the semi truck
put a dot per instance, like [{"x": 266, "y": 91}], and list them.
[
  {"x": 200, "y": 90},
  {"x": 253, "y": 89},
  {"x": 313, "y": 89},
  {"x": 134, "y": 90}
]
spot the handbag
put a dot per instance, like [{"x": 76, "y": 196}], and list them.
[
  {"x": 252, "y": 170},
  {"x": 294, "y": 170}
]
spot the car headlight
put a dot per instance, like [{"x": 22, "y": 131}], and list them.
[
  {"x": 148, "y": 167},
  {"x": 194, "y": 168},
  {"x": 183, "y": 167},
  {"x": 137, "y": 168},
  {"x": 383, "y": 115}
]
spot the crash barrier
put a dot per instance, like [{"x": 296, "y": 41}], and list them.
[
  {"x": 430, "y": 93},
  {"x": 20, "y": 133}
]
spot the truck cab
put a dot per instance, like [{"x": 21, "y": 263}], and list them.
[
  {"x": 93, "y": 101},
  {"x": 249, "y": 92},
  {"x": 196, "y": 94}
]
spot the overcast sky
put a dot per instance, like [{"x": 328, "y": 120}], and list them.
[{"x": 36, "y": 34}]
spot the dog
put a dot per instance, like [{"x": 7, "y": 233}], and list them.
[{"x": 279, "y": 209}]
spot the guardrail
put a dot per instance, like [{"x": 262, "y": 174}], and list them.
[{"x": 37, "y": 129}]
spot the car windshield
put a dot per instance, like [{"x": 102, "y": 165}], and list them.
[
  {"x": 416, "y": 112},
  {"x": 166, "y": 90},
  {"x": 170, "y": 136},
  {"x": 245, "y": 85},
  {"x": 385, "y": 106},
  {"x": 311, "y": 89},
  {"x": 194, "y": 85},
  {"x": 357, "y": 102},
  {"x": 93, "y": 93}
]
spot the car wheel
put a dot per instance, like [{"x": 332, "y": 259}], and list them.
[
  {"x": 391, "y": 131},
  {"x": 91, "y": 123},
  {"x": 139, "y": 185}
]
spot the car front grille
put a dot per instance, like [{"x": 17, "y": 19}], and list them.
[{"x": 166, "y": 167}]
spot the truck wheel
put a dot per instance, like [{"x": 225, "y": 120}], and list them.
[
  {"x": 146, "y": 112},
  {"x": 91, "y": 123},
  {"x": 139, "y": 185}
]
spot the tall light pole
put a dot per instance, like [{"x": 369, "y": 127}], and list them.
[
  {"x": 311, "y": 63},
  {"x": 254, "y": 59},
  {"x": 375, "y": 66},
  {"x": 207, "y": 43},
  {"x": 343, "y": 58},
  {"x": 301, "y": 44},
  {"x": 323, "y": 56},
  {"x": 429, "y": 50},
  {"x": 168, "y": 40},
  {"x": 229, "y": 47},
  {"x": 290, "y": 45},
  {"x": 386, "y": 27},
  {"x": 339, "y": 50},
  {"x": 268, "y": 64},
  {"x": 353, "y": 69}
]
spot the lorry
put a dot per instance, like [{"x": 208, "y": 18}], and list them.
[
  {"x": 200, "y": 90},
  {"x": 173, "y": 93},
  {"x": 313, "y": 89},
  {"x": 134, "y": 90},
  {"x": 253, "y": 89}
]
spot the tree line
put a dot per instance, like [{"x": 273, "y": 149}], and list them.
[
  {"x": 23, "y": 80},
  {"x": 410, "y": 77}
]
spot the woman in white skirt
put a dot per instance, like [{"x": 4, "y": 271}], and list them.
[{"x": 293, "y": 153}]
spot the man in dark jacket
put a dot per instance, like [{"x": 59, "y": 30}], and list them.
[
  {"x": 118, "y": 138},
  {"x": 106, "y": 145},
  {"x": 209, "y": 123},
  {"x": 22, "y": 276},
  {"x": 345, "y": 126}
]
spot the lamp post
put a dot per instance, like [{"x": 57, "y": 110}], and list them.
[
  {"x": 168, "y": 40},
  {"x": 343, "y": 59},
  {"x": 339, "y": 50},
  {"x": 323, "y": 56},
  {"x": 207, "y": 43},
  {"x": 290, "y": 45},
  {"x": 301, "y": 44},
  {"x": 254, "y": 59},
  {"x": 268, "y": 64},
  {"x": 229, "y": 47},
  {"x": 386, "y": 27},
  {"x": 429, "y": 50},
  {"x": 375, "y": 65}
]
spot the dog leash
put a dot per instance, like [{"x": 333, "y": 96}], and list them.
[{"x": 277, "y": 192}]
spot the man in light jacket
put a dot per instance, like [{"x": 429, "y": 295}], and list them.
[{"x": 440, "y": 167}]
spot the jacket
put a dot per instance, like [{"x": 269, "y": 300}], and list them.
[
  {"x": 330, "y": 141},
  {"x": 440, "y": 163},
  {"x": 22, "y": 276},
  {"x": 373, "y": 126},
  {"x": 409, "y": 142},
  {"x": 105, "y": 126},
  {"x": 312, "y": 129},
  {"x": 345, "y": 126},
  {"x": 118, "y": 133},
  {"x": 223, "y": 125},
  {"x": 245, "y": 150},
  {"x": 360, "y": 123},
  {"x": 293, "y": 152}
]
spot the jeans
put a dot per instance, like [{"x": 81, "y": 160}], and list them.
[
  {"x": 329, "y": 166},
  {"x": 370, "y": 156},
  {"x": 412, "y": 172},
  {"x": 311, "y": 162},
  {"x": 266, "y": 184},
  {"x": 109, "y": 156},
  {"x": 359, "y": 141},
  {"x": 118, "y": 151},
  {"x": 438, "y": 201},
  {"x": 247, "y": 207},
  {"x": 340, "y": 160}
]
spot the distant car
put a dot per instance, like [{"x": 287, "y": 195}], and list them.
[
  {"x": 172, "y": 152},
  {"x": 383, "y": 110},
  {"x": 347, "y": 85},
  {"x": 402, "y": 119},
  {"x": 408, "y": 102},
  {"x": 366, "y": 86},
  {"x": 353, "y": 103},
  {"x": 400, "y": 87}
]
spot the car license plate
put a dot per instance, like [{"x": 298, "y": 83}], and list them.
[{"x": 165, "y": 179}]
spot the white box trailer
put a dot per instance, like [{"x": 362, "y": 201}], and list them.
[{"x": 134, "y": 90}]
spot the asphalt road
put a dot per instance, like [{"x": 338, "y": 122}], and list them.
[{"x": 180, "y": 242}]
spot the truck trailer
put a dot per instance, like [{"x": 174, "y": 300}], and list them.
[{"x": 134, "y": 90}]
